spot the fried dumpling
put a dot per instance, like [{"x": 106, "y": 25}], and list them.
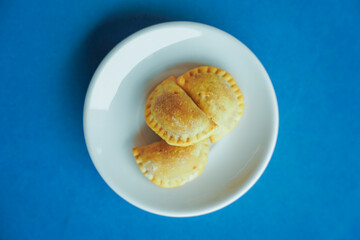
[
  {"x": 216, "y": 93},
  {"x": 172, "y": 114},
  {"x": 171, "y": 166}
]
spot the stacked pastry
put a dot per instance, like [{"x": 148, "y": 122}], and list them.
[{"x": 185, "y": 112}]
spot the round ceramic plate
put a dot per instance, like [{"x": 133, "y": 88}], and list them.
[{"x": 114, "y": 117}]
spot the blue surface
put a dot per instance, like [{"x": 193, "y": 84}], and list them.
[{"x": 49, "y": 187}]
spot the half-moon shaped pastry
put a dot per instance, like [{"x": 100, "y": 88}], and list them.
[
  {"x": 172, "y": 114},
  {"x": 170, "y": 166},
  {"x": 216, "y": 93}
]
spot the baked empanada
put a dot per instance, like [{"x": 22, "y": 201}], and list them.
[
  {"x": 172, "y": 114},
  {"x": 216, "y": 93},
  {"x": 171, "y": 166}
]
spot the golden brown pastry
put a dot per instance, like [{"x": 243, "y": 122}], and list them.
[
  {"x": 217, "y": 94},
  {"x": 170, "y": 166},
  {"x": 172, "y": 114}
]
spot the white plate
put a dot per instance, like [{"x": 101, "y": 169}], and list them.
[{"x": 114, "y": 117}]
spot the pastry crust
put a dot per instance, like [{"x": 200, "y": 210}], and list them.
[
  {"x": 170, "y": 166},
  {"x": 216, "y": 93},
  {"x": 172, "y": 114}
]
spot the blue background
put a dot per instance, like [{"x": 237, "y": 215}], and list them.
[{"x": 49, "y": 188}]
